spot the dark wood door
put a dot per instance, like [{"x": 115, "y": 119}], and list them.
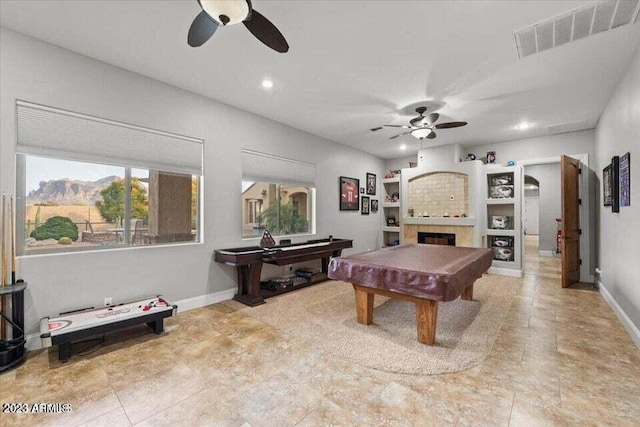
[{"x": 570, "y": 172}]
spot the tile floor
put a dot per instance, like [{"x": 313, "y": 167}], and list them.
[{"x": 561, "y": 358}]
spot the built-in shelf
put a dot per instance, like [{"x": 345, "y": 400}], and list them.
[
  {"x": 391, "y": 229},
  {"x": 493, "y": 232},
  {"x": 395, "y": 180},
  {"x": 505, "y": 201},
  {"x": 463, "y": 222},
  {"x": 391, "y": 204}
]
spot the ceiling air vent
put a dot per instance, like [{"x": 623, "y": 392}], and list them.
[
  {"x": 567, "y": 127},
  {"x": 577, "y": 24}
]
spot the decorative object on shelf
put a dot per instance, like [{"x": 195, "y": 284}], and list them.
[
  {"x": 395, "y": 197},
  {"x": 503, "y": 254},
  {"x": 501, "y": 222},
  {"x": 625, "y": 180},
  {"x": 349, "y": 197},
  {"x": 374, "y": 205},
  {"x": 501, "y": 241},
  {"x": 501, "y": 192},
  {"x": 410, "y": 212},
  {"x": 391, "y": 221},
  {"x": 491, "y": 157},
  {"x": 396, "y": 172},
  {"x": 615, "y": 184},
  {"x": 365, "y": 205},
  {"x": 361, "y": 190},
  {"x": 388, "y": 175},
  {"x": 371, "y": 184},
  {"x": 413, "y": 164},
  {"x": 607, "y": 186},
  {"x": 511, "y": 163},
  {"x": 471, "y": 156},
  {"x": 267, "y": 240},
  {"x": 506, "y": 179}
]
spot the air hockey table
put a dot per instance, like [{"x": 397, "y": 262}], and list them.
[
  {"x": 420, "y": 273},
  {"x": 77, "y": 325}
]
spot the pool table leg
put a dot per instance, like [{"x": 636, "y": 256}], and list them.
[
  {"x": 426, "y": 314},
  {"x": 467, "y": 294},
  {"x": 364, "y": 305}
]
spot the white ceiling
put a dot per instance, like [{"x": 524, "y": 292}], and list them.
[{"x": 354, "y": 65}]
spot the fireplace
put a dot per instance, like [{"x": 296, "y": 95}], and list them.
[{"x": 437, "y": 238}]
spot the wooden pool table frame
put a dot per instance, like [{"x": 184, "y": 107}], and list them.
[{"x": 426, "y": 309}]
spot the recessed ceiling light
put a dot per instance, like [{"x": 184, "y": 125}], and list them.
[
  {"x": 524, "y": 126},
  {"x": 403, "y": 147},
  {"x": 267, "y": 84}
]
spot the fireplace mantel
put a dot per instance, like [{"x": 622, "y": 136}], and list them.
[{"x": 460, "y": 222}]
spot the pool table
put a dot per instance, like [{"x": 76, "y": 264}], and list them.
[{"x": 420, "y": 273}]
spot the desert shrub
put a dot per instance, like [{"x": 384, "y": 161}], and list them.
[{"x": 56, "y": 227}]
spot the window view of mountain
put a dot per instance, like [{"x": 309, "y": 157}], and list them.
[{"x": 69, "y": 192}]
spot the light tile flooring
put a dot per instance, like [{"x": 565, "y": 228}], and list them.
[{"x": 561, "y": 358}]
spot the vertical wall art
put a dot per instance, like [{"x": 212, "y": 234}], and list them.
[
  {"x": 349, "y": 196},
  {"x": 625, "y": 180},
  {"x": 607, "y": 197},
  {"x": 615, "y": 184},
  {"x": 371, "y": 184}
]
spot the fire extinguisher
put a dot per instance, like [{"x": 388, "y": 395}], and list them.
[{"x": 558, "y": 249}]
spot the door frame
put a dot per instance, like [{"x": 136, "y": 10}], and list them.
[{"x": 585, "y": 215}]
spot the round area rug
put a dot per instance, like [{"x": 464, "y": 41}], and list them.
[{"x": 324, "y": 315}]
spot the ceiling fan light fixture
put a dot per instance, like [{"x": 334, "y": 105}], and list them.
[
  {"x": 226, "y": 12},
  {"x": 421, "y": 133}
]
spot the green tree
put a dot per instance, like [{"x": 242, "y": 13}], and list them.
[
  {"x": 283, "y": 219},
  {"x": 111, "y": 206}
]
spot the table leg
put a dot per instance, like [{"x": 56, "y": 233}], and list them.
[
  {"x": 157, "y": 326},
  {"x": 426, "y": 314},
  {"x": 64, "y": 352},
  {"x": 364, "y": 305},
  {"x": 467, "y": 294}
]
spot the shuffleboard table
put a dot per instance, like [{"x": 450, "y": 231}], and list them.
[
  {"x": 422, "y": 274},
  {"x": 249, "y": 260},
  {"x": 81, "y": 324}
]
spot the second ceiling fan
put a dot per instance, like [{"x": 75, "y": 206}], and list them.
[{"x": 422, "y": 127}]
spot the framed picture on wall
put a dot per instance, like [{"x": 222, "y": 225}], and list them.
[
  {"x": 607, "y": 197},
  {"x": 374, "y": 205},
  {"x": 615, "y": 184},
  {"x": 349, "y": 196},
  {"x": 365, "y": 205},
  {"x": 371, "y": 184},
  {"x": 625, "y": 180}
]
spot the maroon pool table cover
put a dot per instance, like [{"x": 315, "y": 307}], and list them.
[{"x": 435, "y": 272}]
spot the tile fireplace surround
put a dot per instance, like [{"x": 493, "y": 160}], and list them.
[{"x": 464, "y": 234}]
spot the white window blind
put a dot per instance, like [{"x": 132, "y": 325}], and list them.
[
  {"x": 268, "y": 168},
  {"x": 47, "y": 131}
]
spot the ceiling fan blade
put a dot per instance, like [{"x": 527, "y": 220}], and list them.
[
  {"x": 266, "y": 32},
  {"x": 400, "y": 134},
  {"x": 376, "y": 129},
  {"x": 398, "y": 126},
  {"x": 432, "y": 135},
  {"x": 450, "y": 125},
  {"x": 201, "y": 30}
]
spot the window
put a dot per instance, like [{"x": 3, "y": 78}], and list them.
[
  {"x": 278, "y": 195},
  {"x": 74, "y": 196},
  {"x": 281, "y": 209}
]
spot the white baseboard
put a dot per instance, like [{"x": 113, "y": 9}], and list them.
[
  {"x": 632, "y": 329},
  {"x": 548, "y": 254},
  {"x": 34, "y": 342},
  {"x": 505, "y": 272},
  {"x": 204, "y": 300}
]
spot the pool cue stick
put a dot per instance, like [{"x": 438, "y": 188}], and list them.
[
  {"x": 12, "y": 247},
  {"x": 4, "y": 264}
]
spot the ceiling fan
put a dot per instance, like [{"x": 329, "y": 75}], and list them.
[
  {"x": 229, "y": 12},
  {"x": 422, "y": 126}
]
